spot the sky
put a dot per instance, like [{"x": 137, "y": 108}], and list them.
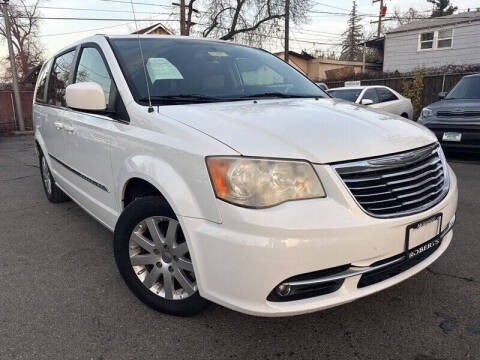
[{"x": 321, "y": 29}]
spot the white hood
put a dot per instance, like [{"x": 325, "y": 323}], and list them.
[{"x": 321, "y": 131}]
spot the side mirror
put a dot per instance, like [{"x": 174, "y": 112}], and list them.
[
  {"x": 366, "y": 102},
  {"x": 441, "y": 95},
  {"x": 87, "y": 96}
]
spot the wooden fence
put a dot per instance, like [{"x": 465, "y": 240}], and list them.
[
  {"x": 432, "y": 84},
  {"x": 8, "y": 116}
]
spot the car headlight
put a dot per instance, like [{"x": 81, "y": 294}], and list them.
[
  {"x": 427, "y": 112},
  {"x": 260, "y": 183}
]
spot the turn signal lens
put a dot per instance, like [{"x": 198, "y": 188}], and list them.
[{"x": 261, "y": 183}]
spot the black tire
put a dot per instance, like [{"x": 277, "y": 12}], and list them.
[
  {"x": 52, "y": 191},
  {"x": 137, "y": 211}
]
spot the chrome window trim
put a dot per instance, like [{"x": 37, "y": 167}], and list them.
[{"x": 392, "y": 162}]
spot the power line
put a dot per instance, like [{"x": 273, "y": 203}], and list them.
[
  {"x": 89, "y": 19},
  {"x": 135, "y": 3},
  {"x": 99, "y": 10}
]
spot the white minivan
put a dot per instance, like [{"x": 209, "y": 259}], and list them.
[{"x": 228, "y": 176}]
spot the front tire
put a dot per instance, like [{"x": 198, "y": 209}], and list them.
[{"x": 153, "y": 258}]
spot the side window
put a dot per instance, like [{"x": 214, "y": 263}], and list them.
[
  {"x": 92, "y": 68},
  {"x": 59, "y": 78},
  {"x": 385, "y": 95},
  {"x": 371, "y": 94},
  {"x": 41, "y": 84}
]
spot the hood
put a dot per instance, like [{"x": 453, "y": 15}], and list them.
[
  {"x": 456, "y": 105},
  {"x": 321, "y": 131}
]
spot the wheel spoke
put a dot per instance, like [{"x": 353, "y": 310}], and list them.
[
  {"x": 155, "y": 232},
  {"x": 185, "y": 264},
  {"x": 168, "y": 284},
  {"x": 171, "y": 233},
  {"x": 142, "y": 259},
  {"x": 180, "y": 249},
  {"x": 141, "y": 241},
  {"x": 152, "y": 277},
  {"x": 184, "y": 282}
]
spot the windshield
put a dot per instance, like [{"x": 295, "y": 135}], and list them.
[
  {"x": 467, "y": 88},
  {"x": 349, "y": 95},
  {"x": 193, "y": 70}
]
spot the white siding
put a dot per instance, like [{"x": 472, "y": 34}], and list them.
[{"x": 401, "y": 49}]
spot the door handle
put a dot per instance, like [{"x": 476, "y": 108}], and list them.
[
  {"x": 69, "y": 129},
  {"x": 58, "y": 125}
]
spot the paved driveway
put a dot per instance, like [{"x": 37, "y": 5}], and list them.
[{"x": 61, "y": 296}]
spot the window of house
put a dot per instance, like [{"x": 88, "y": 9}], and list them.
[
  {"x": 41, "y": 84},
  {"x": 385, "y": 95},
  {"x": 445, "y": 38},
  {"x": 438, "y": 39},
  {"x": 60, "y": 78},
  {"x": 92, "y": 68},
  {"x": 426, "y": 40}
]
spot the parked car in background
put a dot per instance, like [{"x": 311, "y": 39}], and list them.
[
  {"x": 322, "y": 85},
  {"x": 378, "y": 97},
  {"x": 455, "y": 119},
  {"x": 249, "y": 188}
]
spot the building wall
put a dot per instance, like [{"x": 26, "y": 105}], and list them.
[
  {"x": 8, "y": 122},
  {"x": 297, "y": 62},
  {"x": 401, "y": 49}
]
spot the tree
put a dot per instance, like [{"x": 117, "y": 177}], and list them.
[
  {"x": 24, "y": 26},
  {"x": 249, "y": 20},
  {"x": 442, "y": 8},
  {"x": 352, "y": 37},
  {"x": 403, "y": 18}
]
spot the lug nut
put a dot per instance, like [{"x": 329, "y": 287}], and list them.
[
  {"x": 170, "y": 269},
  {"x": 159, "y": 264}
]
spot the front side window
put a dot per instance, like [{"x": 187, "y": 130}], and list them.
[
  {"x": 60, "y": 78},
  {"x": 385, "y": 95},
  {"x": 371, "y": 94},
  {"x": 191, "y": 70},
  {"x": 92, "y": 68},
  {"x": 41, "y": 84},
  {"x": 467, "y": 88},
  {"x": 349, "y": 95}
]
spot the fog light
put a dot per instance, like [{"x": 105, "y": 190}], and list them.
[{"x": 283, "y": 290}]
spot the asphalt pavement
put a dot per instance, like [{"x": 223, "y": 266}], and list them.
[{"x": 61, "y": 296}]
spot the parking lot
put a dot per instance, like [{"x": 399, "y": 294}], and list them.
[{"x": 61, "y": 296}]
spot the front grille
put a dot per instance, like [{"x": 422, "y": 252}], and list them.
[
  {"x": 458, "y": 114},
  {"x": 399, "y": 184}
]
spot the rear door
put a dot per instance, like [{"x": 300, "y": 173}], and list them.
[
  {"x": 54, "y": 110},
  {"x": 88, "y": 137}
]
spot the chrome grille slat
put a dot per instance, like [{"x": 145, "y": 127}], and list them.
[{"x": 397, "y": 185}]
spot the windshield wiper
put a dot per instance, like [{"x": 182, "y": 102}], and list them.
[
  {"x": 182, "y": 98},
  {"x": 279, "y": 95}
]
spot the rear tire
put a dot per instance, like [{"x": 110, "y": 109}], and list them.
[
  {"x": 157, "y": 268},
  {"x": 52, "y": 191}
]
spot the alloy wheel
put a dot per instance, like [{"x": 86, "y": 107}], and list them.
[
  {"x": 160, "y": 258},
  {"x": 47, "y": 180}
]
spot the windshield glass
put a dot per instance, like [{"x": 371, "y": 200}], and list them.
[
  {"x": 200, "y": 70},
  {"x": 467, "y": 88},
  {"x": 349, "y": 95}
]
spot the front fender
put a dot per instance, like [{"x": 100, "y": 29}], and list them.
[{"x": 188, "y": 189}]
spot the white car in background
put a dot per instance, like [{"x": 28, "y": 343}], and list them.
[{"x": 378, "y": 97}]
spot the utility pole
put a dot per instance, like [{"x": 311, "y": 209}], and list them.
[
  {"x": 13, "y": 65},
  {"x": 287, "y": 30},
  {"x": 379, "y": 17},
  {"x": 183, "y": 27}
]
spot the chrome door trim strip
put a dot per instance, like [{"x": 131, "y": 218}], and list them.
[{"x": 84, "y": 177}]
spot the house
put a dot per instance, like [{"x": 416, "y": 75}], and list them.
[
  {"x": 433, "y": 42},
  {"x": 321, "y": 69},
  {"x": 155, "y": 29}
]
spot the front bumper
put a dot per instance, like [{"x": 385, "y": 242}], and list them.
[
  {"x": 239, "y": 262},
  {"x": 470, "y": 141}
]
